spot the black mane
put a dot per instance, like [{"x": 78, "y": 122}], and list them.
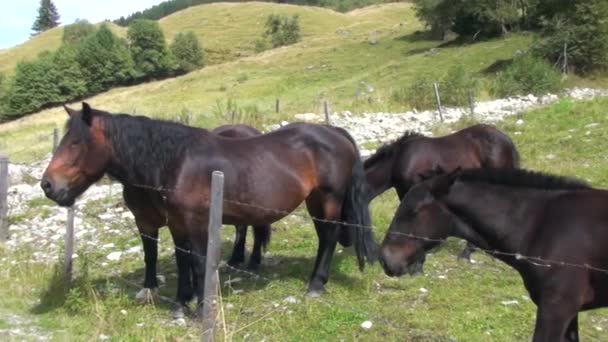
[
  {"x": 144, "y": 149},
  {"x": 388, "y": 150},
  {"x": 522, "y": 178}
]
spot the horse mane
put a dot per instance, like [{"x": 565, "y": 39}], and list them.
[
  {"x": 522, "y": 178},
  {"x": 143, "y": 147},
  {"x": 388, "y": 150}
]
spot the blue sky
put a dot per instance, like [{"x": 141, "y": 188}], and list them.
[{"x": 17, "y": 16}]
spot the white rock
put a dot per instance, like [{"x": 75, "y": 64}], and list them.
[
  {"x": 509, "y": 302},
  {"x": 134, "y": 249},
  {"x": 103, "y": 337},
  {"x": 292, "y": 300},
  {"x": 123, "y": 312},
  {"x": 367, "y": 325},
  {"x": 423, "y": 290},
  {"x": 519, "y": 122},
  {"x": 114, "y": 256}
]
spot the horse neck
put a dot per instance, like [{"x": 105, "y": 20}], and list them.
[
  {"x": 379, "y": 175},
  {"x": 138, "y": 159},
  {"x": 493, "y": 217}
]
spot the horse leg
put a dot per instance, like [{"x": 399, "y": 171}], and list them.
[
  {"x": 261, "y": 236},
  {"x": 149, "y": 238},
  {"x": 328, "y": 237},
  {"x": 554, "y": 321},
  {"x": 183, "y": 258},
  {"x": 572, "y": 331},
  {"x": 238, "y": 252}
]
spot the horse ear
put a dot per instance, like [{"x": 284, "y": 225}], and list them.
[
  {"x": 69, "y": 110},
  {"x": 87, "y": 113}
]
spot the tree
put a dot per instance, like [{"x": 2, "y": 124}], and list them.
[
  {"x": 282, "y": 30},
  {"x": 148, "y": 49},
  {"x": 77, "y": 32},
  {"x": 578, "y": 40},
  {"x": 34, "y": 86},
  {"x": 47, "y": 18},
  {"x": 439, "y": 15},
  {"x": 70, "y": 78},
  {"x": 105, "y": 61},
  {"x": 187, "y": 51}
]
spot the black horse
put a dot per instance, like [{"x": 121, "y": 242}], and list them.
[
  {"x": 551, "y": 229},
  {"x": 400, "y": 164},
  {"x": 150, "y": 215},
  {"x": 266, "y": 178}
]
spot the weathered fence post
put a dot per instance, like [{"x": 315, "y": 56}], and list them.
[
  {"x": 438, "y": 99},
  {"x": 3, "y": 196},
  {"x": 277, "y": 106},
  {"x": 210, "y": 301},
  {"x": 326, "y": 107},
  {"x": 55, "y": 139},
  {"x": 471, "y": 102},
  {"x": 69, "y": 246}
]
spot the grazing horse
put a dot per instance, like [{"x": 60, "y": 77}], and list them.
[
  {"x": 401, "y": 163},
  {"x": 551, "y": 229},
  {"x": 150, "y": 215},
  {"x": 266, "y": 178}
]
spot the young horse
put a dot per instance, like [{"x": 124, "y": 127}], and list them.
[
  {"x": 541, "y": 225},
  {"x": 400, "y": 163},
  {"x": 150, "y": 215},
  {"x": 266, "y": 178}
]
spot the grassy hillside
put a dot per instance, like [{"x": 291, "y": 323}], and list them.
[
  {"x": 354, "y": 60},
  {"x": 46, "y": 41},
  {"x": 453, "y": 301}
]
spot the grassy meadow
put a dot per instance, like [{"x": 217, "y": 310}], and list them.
[{"x": 453, "y": 301}]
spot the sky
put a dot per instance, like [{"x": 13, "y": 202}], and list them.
[{"x": 17, "y": 16}]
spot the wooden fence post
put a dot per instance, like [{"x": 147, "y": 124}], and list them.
[
  {"x": 210, "y": 301},
  {"x": 277, "y": 106},
  {"x": 471, "y": 102},
  {"x": 69, "y": 246},
  {"x": 3, "y": 197},
  {"x": 326, "y": 107},
  {"x": 55, "y": 139},
  {"x": 438, "y": 99}
]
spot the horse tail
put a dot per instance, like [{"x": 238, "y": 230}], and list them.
[
  {"x": 262, "y": 234},
  {"x": 355, "y": 212}
]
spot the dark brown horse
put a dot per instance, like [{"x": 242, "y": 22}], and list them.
[
  {"x": 552, "y": 230},
  {"x": 150, "y": 215},
  {"x": 400, "y": 164},
  {"x": 266, "y": 178}
]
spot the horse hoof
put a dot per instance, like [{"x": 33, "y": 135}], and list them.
[
  {"x": 314, "y": 294},
  {"x": 146, "y": 296},
  {"x": 179, "y": 312}
]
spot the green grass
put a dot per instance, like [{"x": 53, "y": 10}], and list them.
[{"x": 463, "y": 302}]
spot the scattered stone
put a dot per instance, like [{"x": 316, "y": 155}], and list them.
[
  {"x": 291, "y": 300},
  {"x": 423, "y": 290},
  {"x": 519, "y": 122},
  {"x": 114, "y": 256},
  {"x": 509, "y": 302},
  {"x": 367, "y": 325}
]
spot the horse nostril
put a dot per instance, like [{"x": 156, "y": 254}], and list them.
[{"x": 46, "y": 186}]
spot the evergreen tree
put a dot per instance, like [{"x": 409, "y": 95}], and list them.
[
  {"x": 105, "y": 61},
  {"x": 47, "y": 18},
  {"x": 187, "y": 51},
  {"x": 148, "y": 49}
]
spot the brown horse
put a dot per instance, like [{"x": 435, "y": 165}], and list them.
[
  {"x": 150, "y": 215},
  {"x": 401, "y": 163},
  {"x": 266, "y": 178},
  {"x": 551, "y": 229}
]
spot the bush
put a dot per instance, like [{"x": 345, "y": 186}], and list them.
[
  {"x": 187, "y": 52},
  {"x": 282, "y": 30},
  {"x": 456, "y": 86},
  {"x": 70, "y": 77},
  {"x": 77, "y": 32},
  {"x": 584, "y": 36},
  {"x": 148, "y": 49},
  {"x": 418, "y": 95},
  {"x": 527, "y": 74}
]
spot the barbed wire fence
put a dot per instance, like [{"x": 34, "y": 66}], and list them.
[{"x": 212, "y": 282}]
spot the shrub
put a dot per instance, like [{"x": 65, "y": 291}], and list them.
[
  {"x": 282, "y": 30},
  {"x": 419, "y": 94},
  {"x": 187, "y": 52},
  {"x": 77, "y": 32},
  {"x": 527, "y": 74},
  {"x": 456, "y": 86}
]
